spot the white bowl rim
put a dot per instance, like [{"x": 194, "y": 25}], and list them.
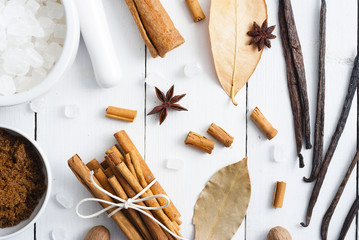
[
  {"x": 49, "y": 178},
  {"x": 68, "y": 54}
]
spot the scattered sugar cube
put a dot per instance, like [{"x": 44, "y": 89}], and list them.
[
  {"x": 175, "y": 164},
  {"x": 7, "y": 85},
  {"x": 64, "y": 200},
  {"x": 192, "y": 70},
  {"x": 154, "y": 79},
  {"x": 38, "y": 105},
  {"x": 72, "y": 111},
  {"x": 58, "y": 234},
  {"x": 280, "y": 153}
]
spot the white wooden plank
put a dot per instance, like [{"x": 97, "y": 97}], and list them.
[
  {"x": 91, "y": 134},
  {"x": 20, "y": 117},
  {"x": 207, "y": 102},
  {"x": 268, "y": 91}
]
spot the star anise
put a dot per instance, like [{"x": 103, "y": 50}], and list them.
[
  {"x": 261, "y": 35},
  {"x": 168, "y": 101}
]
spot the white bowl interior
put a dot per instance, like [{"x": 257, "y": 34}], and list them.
[
  {"x": 23, "y": 225},
  {"x": 61, "y": 66}
]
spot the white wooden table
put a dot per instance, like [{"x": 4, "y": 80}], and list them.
[{"x": 91, "y": 134}]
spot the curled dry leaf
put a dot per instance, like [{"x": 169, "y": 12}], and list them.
[
  {"x": 234, "y": 59},
  {"x": 222, "y": 204}
]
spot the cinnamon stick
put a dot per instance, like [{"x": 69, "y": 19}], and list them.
[
  {"x": 160, "y": 215},
  {"x": 156, "y": 27},
  {"x": 199, "y": 142},
  {"x": 138, "y": 170},
  {"x": 132, "y": 214},
  {"x": 263, "y": 124},
  {"x": 115, "y": 149},
  {"x": 221, "y": 135},
  {"x": 121, "y": 114},
  {"x": 129, "y": 164},
  {"x": 94, "y": 165},
  {"x": 196, "y": 10},
  {"x": 279, "y": 193},
  {"x": 127, "y": 145},
  {"x": 83, "y": 175},
  {"x": 155, "y": 230}
]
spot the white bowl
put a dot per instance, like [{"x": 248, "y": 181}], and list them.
[
  {"x": 61, "y": 66},
  {"x": 9, "y": 232}
]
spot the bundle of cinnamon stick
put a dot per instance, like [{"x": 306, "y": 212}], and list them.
[{"x": 124, "y": 173}]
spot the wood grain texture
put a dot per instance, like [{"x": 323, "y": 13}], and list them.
[{"x": 91, "y": 134}]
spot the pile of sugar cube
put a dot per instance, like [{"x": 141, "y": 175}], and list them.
[{"x": 32, "y": 34}]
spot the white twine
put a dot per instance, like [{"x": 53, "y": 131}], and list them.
[{"x": 126, "y": 204}]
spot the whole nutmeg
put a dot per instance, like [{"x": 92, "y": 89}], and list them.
[
  {"x": 279, "y": 233},
  {"x": 98, "y": 233}
]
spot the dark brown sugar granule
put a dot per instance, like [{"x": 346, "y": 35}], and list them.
[{"x": 22, "y": 181}]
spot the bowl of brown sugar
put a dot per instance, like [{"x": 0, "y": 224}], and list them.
[{"x": 25, "y": 182}]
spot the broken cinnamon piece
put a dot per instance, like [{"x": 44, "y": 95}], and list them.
[
  {"x": 279, "y": 193},
  {"x": 263, "y": 124},
  {"x": 121, "y": 114},
  {"x": 195, "y": 10},
  {"x": 156, "y": 27},
  {"x": 199, "y": 142},
  {"x": 221, "y": 135}
]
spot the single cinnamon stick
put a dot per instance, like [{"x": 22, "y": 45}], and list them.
[
  {"x": 156, "y": 27},
  {"x": 155, "y": 230},
  {"x": 115, "y": 149},
  {"x": 121, "y": 114},
  {"x": 83, "y": 175},
  {"x": 138, "y": 169},
  {"x": 199, "y": 142},
  {"x": 263, "y": 124},
  {"x": 127, "y": 146},
  {"x": 94, "y": 165},
  {"x": 129, "y": 164},
  {"x": 279, "y": 193},
  {"x": 160, "y": 215},
  {"x": 196, "y": 10},
  {"x": 221, "y": 135}
]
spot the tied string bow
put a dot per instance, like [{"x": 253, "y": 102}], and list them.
[{"x": 127, "y": 204}]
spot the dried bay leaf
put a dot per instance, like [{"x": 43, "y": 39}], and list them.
[
  {"x": 222, "y": 204},
  {"x": 234, "y": 59}
]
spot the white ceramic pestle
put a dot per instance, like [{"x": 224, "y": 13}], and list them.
[{"x": 96, "y": 34}]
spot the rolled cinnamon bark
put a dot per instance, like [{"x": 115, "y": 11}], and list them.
[
  {"x": 196, "y": 10},
  {"x": 221, "y": 135},
  {"x": 279, "y": 193},
  {"x": 127, "y": 146},
  {"x": 263, "y": 124},
  {"x": 199, "y": 142},
  {"x": 155, "y": 230},
  {"x": 83, "y": 175},
  {"x": 121, "y": 114},
  {"x": 156, "y": 27}
]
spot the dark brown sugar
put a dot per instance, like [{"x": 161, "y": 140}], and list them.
[{"x": 22, "y": 181}]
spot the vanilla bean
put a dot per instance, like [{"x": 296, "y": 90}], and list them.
[
  {"x": 319, "y": 119},
  {"x": 334, "y": 141},
  {"x": 293, "y": 86},
  {"x": 329, "y": 213},
  {"x": 349, "y": 219}
]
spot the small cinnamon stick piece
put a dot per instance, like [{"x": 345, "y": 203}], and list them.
[
  {"x": 196, "y": 10},
  {"x": 279, "y": 193},
  {"x": 263, "y": 124},
  {"x": 199, "y": 142},
  {"x": 121, "y": 114},
  {"x": 127, "y": 146},
  {"x": 83, "y": 175},
  {"x": 221, "y": 135}
]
